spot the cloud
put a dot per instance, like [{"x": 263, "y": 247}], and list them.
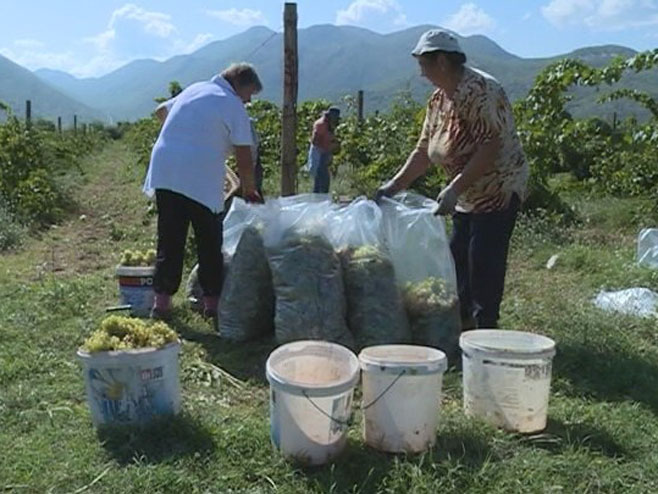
[
  {"x": 561, "y": 12},
  {"x": 240, "y": 17},
  {"x": 32, "y": 56},
  {"x": 133, "y": 32},
  {"x": 470, "y": 19},
  {"x": 361, "y": 10},
  {"x": 154, "y": 23},
  {"x": 602, "y": 15}
]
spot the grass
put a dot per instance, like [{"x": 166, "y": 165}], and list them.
[{"x": 604, "y": 404}]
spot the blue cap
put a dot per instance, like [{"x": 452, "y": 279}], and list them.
[{"x": 437, "y": 40}]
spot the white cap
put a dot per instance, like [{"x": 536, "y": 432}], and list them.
[{"x": 436, "y": 39}]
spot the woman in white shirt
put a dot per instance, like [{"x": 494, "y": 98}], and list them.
[{"x": 186, "y": 175}]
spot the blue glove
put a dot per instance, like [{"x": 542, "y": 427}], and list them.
[
  {"x": 447, "y": 200},
  {"x": 386, "y": 190}
]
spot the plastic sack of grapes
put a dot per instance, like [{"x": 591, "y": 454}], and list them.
[
  {"x": 246, "y": 306},
  {"x": 425, "y": 270},
  {"x": 375, "y": 313},
  {"x": 306, "y": 272}
]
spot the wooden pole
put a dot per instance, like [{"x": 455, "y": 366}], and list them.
[
  {"x": 59, "y": 124},
  {"x": 289, "y": 113},
  {"x": 359, "y": 104},
  {"x": 28, "y": 113},
  {"x": 75, "y": 124}
]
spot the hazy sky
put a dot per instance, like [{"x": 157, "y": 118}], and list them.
[{"x": 93, "y": 37}]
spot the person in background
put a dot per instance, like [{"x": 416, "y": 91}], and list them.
[
  {"x": 469, "y": 129},
  {"x": 255, "y": 156},
  {"x": 323, "y": 146},
  {"x": 186, "y": 175}
]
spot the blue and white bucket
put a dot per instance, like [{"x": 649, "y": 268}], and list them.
[
  {"x": 132, "y": 386},
  {"x": 136, "y": 288},
  {"x": 311, "y": 388}
]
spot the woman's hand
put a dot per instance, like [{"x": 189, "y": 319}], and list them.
[
  {"x": 447, "y": 200},
  {"x": 388, "y": 189}
]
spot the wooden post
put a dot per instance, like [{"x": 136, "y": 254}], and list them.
[
  {"x": 614, "y": 121},
  {"x": 289, "y": 111},
  {"x": 59, "y": 125},
  {"x": 28, "y": 113},
  {"x": 75, "y": 124},
  {"x": 359, "y": 104}
]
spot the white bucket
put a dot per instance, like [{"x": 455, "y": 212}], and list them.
[
  {"x": 132, "y": 386},
  {"x": 507, "y": 378},
  {"x": 401, "y": 396},
  {"x": 136, "y": 288},
  {"x": 311, "y": 387}
]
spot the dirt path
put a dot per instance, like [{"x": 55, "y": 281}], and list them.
[{"x": 111, "y": 216}]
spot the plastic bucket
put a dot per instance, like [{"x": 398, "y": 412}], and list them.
[
  {"x": 132, "y": 386},
  {"x": 401, "y": 396},
  {"x": 507, "y": 378},
  {"x": 311, "y": 387},
  {"x": 136, "y": 288}
]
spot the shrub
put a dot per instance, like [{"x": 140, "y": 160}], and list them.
[{"x": 11, "y": 232}]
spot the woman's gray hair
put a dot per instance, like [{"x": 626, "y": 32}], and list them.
[{"x": 242, "y": 74}]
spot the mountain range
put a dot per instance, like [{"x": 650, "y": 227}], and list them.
[{"x": 333, "y": 61}]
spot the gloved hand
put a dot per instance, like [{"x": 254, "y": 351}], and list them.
[
  {"x": 389, "y": 189},
  {"x": 447, "y": 200},
  {"x": 253, "y": 197}
]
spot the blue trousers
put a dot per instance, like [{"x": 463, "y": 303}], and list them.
[
  {"x": 322, "y": 178},
  {"x": 479, "y": 245}
]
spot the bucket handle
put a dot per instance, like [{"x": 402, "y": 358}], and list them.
[{"x": 364, "y": 407}]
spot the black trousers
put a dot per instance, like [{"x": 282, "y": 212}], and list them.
[
  {"x": 175, "y": 213},
  {"x": 479, "y": 245}
]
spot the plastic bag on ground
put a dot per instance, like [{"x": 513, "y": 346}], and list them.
[
  {"x": 375, "y": 312},
  {"x": 246, "y": 306},
  {"x": 647, "y": 247},
  {"x": 639, "y": 302},
  {"x": 307, "y": 276},
  {"x": 425, "y": 270}
]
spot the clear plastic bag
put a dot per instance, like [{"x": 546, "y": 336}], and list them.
[
  {"x": 424, "y": 268},
  {"x": 246, "y": 307},
  {"x": 306, "y": 272},
  {"x": 375, "y": 312},
  {"x": 647, "y": 247},
  {"x": 636, "y": 301}
]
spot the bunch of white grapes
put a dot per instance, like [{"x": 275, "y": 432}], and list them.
[
  {"x": 138, "y": 258},
  {"x": 126, "y": 333}
]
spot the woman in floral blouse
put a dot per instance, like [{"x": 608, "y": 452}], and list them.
[{"x": 469, "y": 130}]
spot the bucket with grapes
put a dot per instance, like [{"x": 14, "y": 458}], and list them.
[
  {"x": 135, "y": 275},
  {"x": 131, "y": 371}
]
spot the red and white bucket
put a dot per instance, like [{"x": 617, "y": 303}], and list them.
[{"x": 136, "y": 288}]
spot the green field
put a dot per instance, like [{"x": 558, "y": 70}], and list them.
[{"x": 603, "y": 417}]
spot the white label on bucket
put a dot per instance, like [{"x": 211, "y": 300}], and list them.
[
  {"x": 128, "y": 394},
  {"x": 151, "y": 374},
  {"x": 536, "y": 372}
]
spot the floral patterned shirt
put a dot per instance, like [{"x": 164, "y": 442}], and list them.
[{"x": 454, "y": 129}]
